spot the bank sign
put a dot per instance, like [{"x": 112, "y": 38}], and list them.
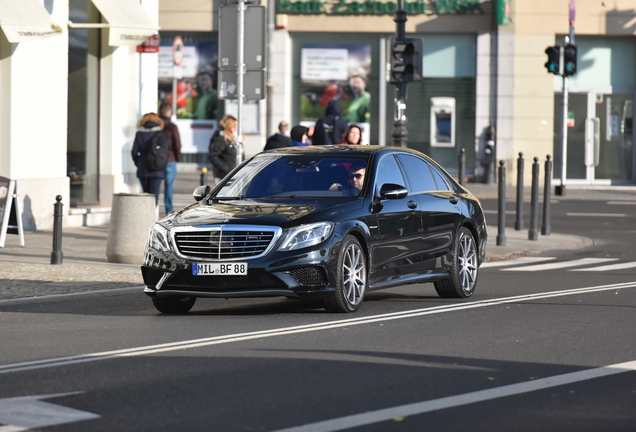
[{"x": 375, "y": 7}]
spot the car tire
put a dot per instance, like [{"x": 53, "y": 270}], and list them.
[
  {"x": 351, "y": 278},
  {"x": 174, "y": 305},
  {"x": 464, "y": 268}
]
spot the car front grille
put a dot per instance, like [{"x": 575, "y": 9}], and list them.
[{"x": 224, "y": 243}]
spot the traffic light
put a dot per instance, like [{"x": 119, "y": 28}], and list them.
[
  {"x": 554, "y": 59},
  {"x": 569, "y": 60},
  {"x": 406, "y": 60}
]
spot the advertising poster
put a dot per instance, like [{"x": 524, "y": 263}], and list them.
[
  {"x": 196, "y": 93},
  {"x": 336, "y": 72}
]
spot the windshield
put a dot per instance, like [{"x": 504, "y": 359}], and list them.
[{"x": 316, "y": 176}]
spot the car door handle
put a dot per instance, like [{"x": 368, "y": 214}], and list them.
[
  {"x": 453, "y": 200},
  {"x": 411, "y": 204}
]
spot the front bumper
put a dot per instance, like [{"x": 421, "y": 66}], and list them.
[{"x": 307, "y": 273}]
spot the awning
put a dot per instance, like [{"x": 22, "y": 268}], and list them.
[
  {"x": 26, "y": 20},
  {"x": 127, "y": 22}
]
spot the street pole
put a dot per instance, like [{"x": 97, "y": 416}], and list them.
[
  {"x": 400, "y": 134},
  {"x": 240, "y": 74},
  {"x": 271, "y": 18},
  {"x": 560, "y": 190},
  {"x": 174, "y": 91}
]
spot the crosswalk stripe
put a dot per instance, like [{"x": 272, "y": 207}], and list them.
[
  {"x": 618, "y": 266},
  {"x": 516, "y": 261},
  {"x": 561, "y": 264}
]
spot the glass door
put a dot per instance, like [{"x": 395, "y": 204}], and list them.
[
  {"x": 600, "y": 139},
  {"x": 609, "y": 138}
]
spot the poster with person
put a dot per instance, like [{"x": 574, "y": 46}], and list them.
[
  {"x": 336, "y": 72},
  {"x": 196, "y": 93}
]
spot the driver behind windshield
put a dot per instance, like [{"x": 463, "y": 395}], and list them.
[{"x": 356, "y": 178}]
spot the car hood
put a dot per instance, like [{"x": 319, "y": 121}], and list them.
[{"x": 256, "y": 212}]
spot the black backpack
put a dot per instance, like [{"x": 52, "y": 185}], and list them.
[{"x": 157, "y": 157}]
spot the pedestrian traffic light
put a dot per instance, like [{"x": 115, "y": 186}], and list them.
[
  {"x": 569, "y": 60},
  {"x": 406, "y": 60},
  {"x": 554, "y": 59}
]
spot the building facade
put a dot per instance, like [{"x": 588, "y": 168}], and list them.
[
  {"x": 72, "y": 88},
  {"x": 484, "y": 82},
  {"x": 483, "y": 77}
]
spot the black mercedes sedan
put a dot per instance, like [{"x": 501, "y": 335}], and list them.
[{"x": 321, "y": 222}]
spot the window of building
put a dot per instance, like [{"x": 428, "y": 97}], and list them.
[
  {"x": 198, "y": 107},
  {"x": 83, "y": 106}
]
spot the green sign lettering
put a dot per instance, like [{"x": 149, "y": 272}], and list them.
[{"x": 376, "y": 7}]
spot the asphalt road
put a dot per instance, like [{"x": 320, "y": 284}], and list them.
[{"x": 544, "y": 345}]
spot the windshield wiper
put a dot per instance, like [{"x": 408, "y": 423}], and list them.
[{"x": 217, "y": 199}]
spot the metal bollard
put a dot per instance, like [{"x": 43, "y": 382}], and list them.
[
  {"x": 501, "y": 234},
  {"x": 204, "y": 170},
  {"x": 462, "y": 166},
  {"x": 533, "y": 233},
  {"x": 519, "y": 219},
  {"x": 56, "y": 255},
  {"x": 547, "y": 189}
]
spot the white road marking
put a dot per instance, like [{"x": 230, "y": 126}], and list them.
[
  {"x": 516, "y": 261},
  {"x": 621, "y": 202},
  {"x": 508, "y": 212},
  {"x": 29, "y": 412},
  {"x": 596, "y": 214},
  {"x": 609, "y": 267},
  {"x": 401, "y": 411},
  {"x": 561, "y": 264},
  {"x": 284, "y": 331}
]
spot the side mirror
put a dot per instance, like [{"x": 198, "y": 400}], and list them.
[
  {"x": 391, "y": 191},
  {"x": 201, "y": 192}
]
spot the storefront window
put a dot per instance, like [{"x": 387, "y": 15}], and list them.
[
  {"x": 195, "y": 86},
  {"x": 342, "y": 66},
  {"x": 83, "y": 101}
]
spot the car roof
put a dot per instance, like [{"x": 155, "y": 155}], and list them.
[{"x": 340, "y": 150}]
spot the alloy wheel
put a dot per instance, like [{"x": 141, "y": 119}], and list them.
[
  {"x": 467, "y": 260},
  {"x": 354, "y": 273}
]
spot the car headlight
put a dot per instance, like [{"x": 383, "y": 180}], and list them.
[
  {"x": 158, "y": 238},
  {"x": 306, "y": 235}
]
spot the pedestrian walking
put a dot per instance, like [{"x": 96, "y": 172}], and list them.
[
  {"x": 174, "y": 154},
  {"x": 280, "y": 139},
  {"x": 353, "y": 135},
  {"x": 224, "y": 148},
  {"x": 150, "y": 153},
  {"x": 299, "y": 136},
  {"x": 331, "y": 126}
]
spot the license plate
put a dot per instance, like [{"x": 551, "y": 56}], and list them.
[{"x": 219, "y": 269}]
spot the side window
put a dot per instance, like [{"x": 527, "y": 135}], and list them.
[
  {"x": 441, "y": 183},
  {"x": 388, "y": 172},
  {"x": 418, "y": 173}
]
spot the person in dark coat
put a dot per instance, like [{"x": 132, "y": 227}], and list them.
[
  {"x": 280, "y": 138},
  {"x": 174, "y": 147},
  {"x": 224, "y": 148},
  {"x": 149, "y": 125},
  {"x": 329, "y": 129}
]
